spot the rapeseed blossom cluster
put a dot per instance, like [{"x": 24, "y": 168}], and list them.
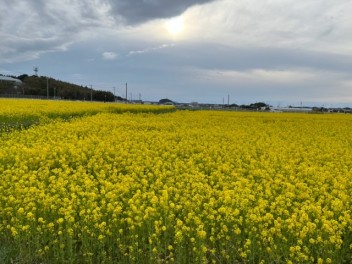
[
  {"x": 182, "y": 187},
  {"x": 18, "y": 114}
]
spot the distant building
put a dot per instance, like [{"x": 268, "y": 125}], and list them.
[
  {"x": 291, "y": 109},
  {"x": 10, "y": 79},
  {"x": 9, "y": 85}
]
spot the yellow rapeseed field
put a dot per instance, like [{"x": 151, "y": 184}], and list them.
[
  {"x": 181, "y": 187},
  {"x": 15, "y": 113}
]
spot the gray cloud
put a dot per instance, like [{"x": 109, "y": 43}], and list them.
[
  {"x": 33, "y": 27},
  {"x": 265, "y": 48},
  {"x": 139, "y": 11},
  {"x": 212, "y": 56},
  {"x": 30, "y": 28}
]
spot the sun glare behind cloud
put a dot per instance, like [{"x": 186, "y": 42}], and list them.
[{"x": 175, "y": 26}]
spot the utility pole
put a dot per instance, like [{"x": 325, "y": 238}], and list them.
[
  {"x": 91, "y": 93},
  {"x": 228, "y": 100},
  {"x": 126, "y": 92},
  {"x": 47, "y": 87},
  {"x": 114, "y": 95}
]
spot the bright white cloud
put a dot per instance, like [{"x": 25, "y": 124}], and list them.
[
  {"x": 108, "y": 55},
  {"x": 311, "y": 24},
  {"x": 147, "y": 50}
]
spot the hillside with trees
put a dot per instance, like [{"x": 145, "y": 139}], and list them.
[{"x": 43, "y": 87}]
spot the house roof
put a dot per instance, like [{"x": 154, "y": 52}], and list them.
[{"x": 6, "y": 78}]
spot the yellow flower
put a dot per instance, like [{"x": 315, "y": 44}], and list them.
[{"x": 219, "y": 180}]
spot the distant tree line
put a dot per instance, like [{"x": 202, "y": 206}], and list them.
[
  {"x": 37, "y": 86},
  {"x": 256, "y": 106},
  {"x": 251, "y": 107}
]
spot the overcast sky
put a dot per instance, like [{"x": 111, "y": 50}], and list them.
[{"x": 278, "y": 51}]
